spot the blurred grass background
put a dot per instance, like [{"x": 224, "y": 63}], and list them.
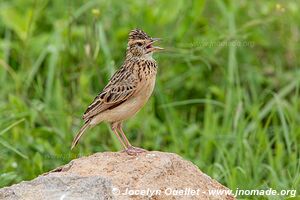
[{"x": 227, "y": 94}]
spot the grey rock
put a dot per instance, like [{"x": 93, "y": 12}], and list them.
[{"x": 54, "y": 186}]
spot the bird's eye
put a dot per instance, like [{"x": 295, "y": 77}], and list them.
[{"x": 139, "y": 44}]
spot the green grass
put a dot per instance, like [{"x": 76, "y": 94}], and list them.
[{"x": 227, "y": 94}]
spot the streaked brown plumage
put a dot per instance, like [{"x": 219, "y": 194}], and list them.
[{"x": 127, "y": 91}]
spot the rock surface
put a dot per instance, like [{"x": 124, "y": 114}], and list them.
[{"x": 150, "y": 175}]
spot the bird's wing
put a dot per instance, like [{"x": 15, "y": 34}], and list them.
[{"x": 120, "y": 87}]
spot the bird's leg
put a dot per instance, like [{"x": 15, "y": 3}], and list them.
[
  {"x": 131, "y": 150},
  {"x": 114, "y": 128},
  {"x": 119, "y": 127}
]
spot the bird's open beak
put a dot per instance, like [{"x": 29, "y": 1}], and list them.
[{"x": 150, "y": 47}]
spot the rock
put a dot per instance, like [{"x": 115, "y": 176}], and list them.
[{"x": 103, "y": 176}]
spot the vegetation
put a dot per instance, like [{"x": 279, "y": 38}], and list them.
[{"x": 227, "y": 94}]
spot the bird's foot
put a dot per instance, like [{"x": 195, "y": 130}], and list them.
[{"x": 133, "y": 151}]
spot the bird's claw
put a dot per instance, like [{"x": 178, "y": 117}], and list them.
[{"x": 133, "y": 151}]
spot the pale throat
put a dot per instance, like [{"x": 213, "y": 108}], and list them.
[{"x": 147, "y": 56}]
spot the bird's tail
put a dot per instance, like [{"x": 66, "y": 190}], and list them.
[{"x": 80, "y": 133}]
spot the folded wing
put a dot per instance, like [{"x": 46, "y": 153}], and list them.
[{"x": 120, "y": 87}]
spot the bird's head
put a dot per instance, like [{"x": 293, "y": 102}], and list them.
[{"x": 140, "y": 44}]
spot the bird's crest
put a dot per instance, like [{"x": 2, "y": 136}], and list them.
[{"x": 138, "y": 34}]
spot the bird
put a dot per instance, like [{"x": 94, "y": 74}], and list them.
[{"x": 127, "y": 91}]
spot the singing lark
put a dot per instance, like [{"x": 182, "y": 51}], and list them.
[{"x": 127, "y": 91}]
